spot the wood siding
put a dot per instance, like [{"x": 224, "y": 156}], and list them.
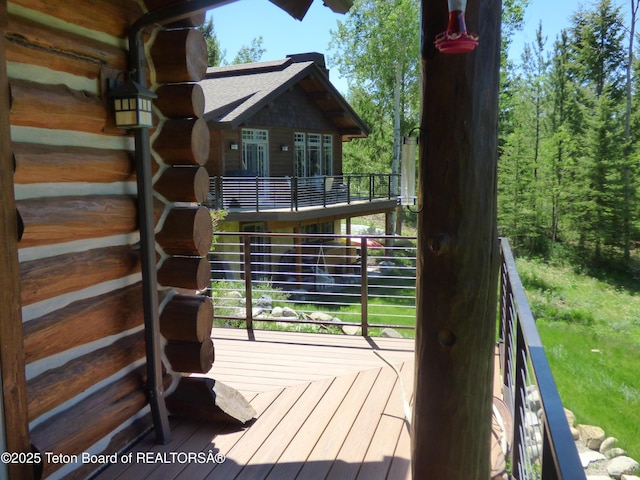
[{"x": 78, "y": 259}]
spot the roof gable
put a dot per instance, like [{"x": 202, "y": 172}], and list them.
[{"x": 234, "y": 93}]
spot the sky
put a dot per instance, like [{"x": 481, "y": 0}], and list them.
[{"x": 236, "y": 24}]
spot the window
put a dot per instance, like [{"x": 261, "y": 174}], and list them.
[
  {"x": 313, "y": 154},
  {"x": 255, "y": 151}
]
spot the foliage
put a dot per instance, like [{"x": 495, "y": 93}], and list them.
[
  {"x": 250, "y": 53},
  {"x": 214, "y": 52},
  {"x": 591, "y": 333},
  {"x": 567, "y": 167}
]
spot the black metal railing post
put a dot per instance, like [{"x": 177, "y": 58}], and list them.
[
  {"x": 248, "y": 294},
  {"x": 364, "y": 287}
]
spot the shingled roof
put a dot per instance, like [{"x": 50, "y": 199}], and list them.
[{"x": 234, "y": 93}]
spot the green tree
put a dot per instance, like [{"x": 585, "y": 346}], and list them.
[
  {"x": 250, "y": 53},
  {"x": 214, "y": 53}
]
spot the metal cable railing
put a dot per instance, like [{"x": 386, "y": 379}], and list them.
[
  {"x": 334, "y": 281},
  {"x": 543, "y": 447}
]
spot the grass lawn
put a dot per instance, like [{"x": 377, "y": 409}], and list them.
[{"x": 590, "y": 329}]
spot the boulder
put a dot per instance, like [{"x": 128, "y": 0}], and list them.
[
  {"x": 351, "y": 330},
  {"x": 614, "y": 452},
  {"x": 571, "y": 418},
  {"x": 288, "y": 312},
  {"x": 629, "y": 477},
  {"x": 276, "y": 312},
  {"x": 591, "y": 436},
  {"x": 321, "y": 317},
  {"x": 608, "y": 444},
  {"x": 589, "y": 456},
  {"x": 390, "y": 333},
  {"x": 622, "y": 466}
]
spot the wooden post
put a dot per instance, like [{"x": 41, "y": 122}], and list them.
[
  {"x": 458, "y": 255},
  {"x": 12, "y": 375}
]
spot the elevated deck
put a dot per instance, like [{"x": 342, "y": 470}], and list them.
[{"x": 328, "y": 407}]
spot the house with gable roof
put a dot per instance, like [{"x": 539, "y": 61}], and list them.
[{"x": 275, "y": 161}]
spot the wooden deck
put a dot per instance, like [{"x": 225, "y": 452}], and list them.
[{"x": 328, "y": 408}]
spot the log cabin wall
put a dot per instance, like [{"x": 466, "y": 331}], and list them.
[{"x": 75, "y": 193}]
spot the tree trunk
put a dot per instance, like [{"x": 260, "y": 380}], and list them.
[{"x": 458, "y": 254}]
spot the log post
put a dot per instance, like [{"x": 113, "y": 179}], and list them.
[
  {"x": 187, "y": 318},
  {"x": 458, "y": 255}
]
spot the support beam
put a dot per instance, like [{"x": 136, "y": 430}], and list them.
[{"x": 458, "y": 254}]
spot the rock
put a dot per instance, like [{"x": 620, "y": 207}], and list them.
[
  {"x": 321, "y": 317},
  {"x": 589, "y": 456},
  {"x": 276, "y": 312},
  {"x": 622, "y": 466},
  {"x": 571, "y": 418},
  {"x": 351, "y": 330},
  {"x": 598, "y": 477},
  {"x": 614, "y": 452},
  {"x": 591, "y": 436},
  {"x": 234, "y": 294},
  {"x": 533, "y": 398},
  {"x": 288, "y": 312},
  {"x": 390, "y": 333},
  {"x": 574, "y": 433},
  {"x": 629, "y": 477},
  {"x": 265, "y": 302},
  {"x": 608, "y": 444}
]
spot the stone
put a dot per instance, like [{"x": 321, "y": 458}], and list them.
[
  {"x": 289, "y": 312},
  {"x": 390, "y": 333},
  {"x": 598, "y": 477},
  {"x": 629, "y": 477},
  {"x": 276, "y": 312},
  {"x": 265, "y": 302},
  {"x": 351, "y": 330},
  {"x": 608, "y": 444},
  {"x": 571, "y": 418},
  {"x": 589, "y": 456},
  {"x": 591, "y": 436},
  {"x": 234, "y": 294},
  {"x": 321, "y": 317},
  {"x": 533, "y": 399},
  {"x": 622, "y": 466},
  {"x": 574, "y": 433},
  {"x": 614, "y": 452}
]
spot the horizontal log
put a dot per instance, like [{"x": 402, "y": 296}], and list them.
[
  {"x": 36, "y": 44},
  {"x": 206, "y": 399},
  {"x": 58, "y": 385},
  {"x": 119, "y": 442},
  {"x": 64, "y": 219},
  {"x": 82, "y": 322},
  {"x": 183, "y": 142},
  {"x": 76, "y": 428},
  {"x": 192, "y": 273},
  {"x": 187, "y": 318},
  {"x": 190, "y": 357},
  {"x": 53, "y": 276},
  {"x": 113, "y": 17},
  {"x": 180, "y": 100},
  {"x": 184, "y": 184},
  {"x": 56, "y": 106},
  {"x": 187, "y": 231},
  {"x": 48, "y": 164},
  {"x": 179, "y": 55}
]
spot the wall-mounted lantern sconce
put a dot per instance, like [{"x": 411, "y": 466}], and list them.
[
  {"x": 132, "y": 105},
  {"x": 284, "y": 148},
  {"x": 233, "y": 146},
  {"x": 408, "y": 171},
  {"x": 456, "y": 39}
]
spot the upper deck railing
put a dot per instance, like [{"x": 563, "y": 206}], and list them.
[
  {"x": 543, "y": 447},
  {"x": 251, "y": 193}
]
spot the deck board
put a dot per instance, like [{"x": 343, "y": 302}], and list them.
[{"x": 326, "y": 405}]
